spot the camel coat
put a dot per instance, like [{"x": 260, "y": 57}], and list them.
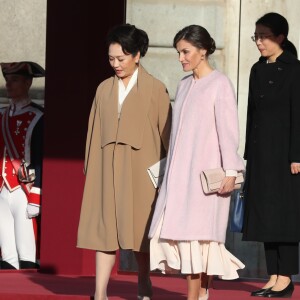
[{"x": 118, "y": 198}]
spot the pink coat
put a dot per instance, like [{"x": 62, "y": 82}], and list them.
[{"x": 204, "y": 135}]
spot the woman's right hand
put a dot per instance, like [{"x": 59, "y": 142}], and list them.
[{"x": 227, "y": 185}]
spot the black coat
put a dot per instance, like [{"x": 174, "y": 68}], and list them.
[{"x": 272, "y": 193}]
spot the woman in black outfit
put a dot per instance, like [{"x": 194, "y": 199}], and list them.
[{"x": 272, "y": 151}]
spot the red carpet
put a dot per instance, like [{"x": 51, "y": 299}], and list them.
[{"x": 39, "y": 286}]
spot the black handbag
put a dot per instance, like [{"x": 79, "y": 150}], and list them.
[{"x": 237, "y": 213}]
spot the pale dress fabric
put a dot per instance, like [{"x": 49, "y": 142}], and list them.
[{"x": 192, "y": 257}]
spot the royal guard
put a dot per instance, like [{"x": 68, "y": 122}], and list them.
[{"x": 21, "y": 166}]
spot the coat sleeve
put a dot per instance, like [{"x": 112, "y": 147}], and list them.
[
  {"x": 295, "y": 116},
  {"x": 227, "y": 126},
  {"x": 165, "y": 115},
  {"x": 249, "y": 116},
  {"x": 94, "y": 121}
]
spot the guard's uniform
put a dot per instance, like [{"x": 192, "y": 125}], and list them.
[
  {"x": 21, "y": 129},
  {"x": 21, "y": 140}
]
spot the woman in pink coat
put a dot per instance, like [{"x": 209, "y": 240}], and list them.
[{"x": 189, "y": 227}]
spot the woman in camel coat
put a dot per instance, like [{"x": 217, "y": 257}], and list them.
[{"x": 124, "y": 139}]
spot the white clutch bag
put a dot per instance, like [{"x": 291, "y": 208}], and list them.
[
  {"x": 156, "y": 172},
  {"x": 211, "y": 180}
]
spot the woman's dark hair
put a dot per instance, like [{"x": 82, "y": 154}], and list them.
[
  {"x": 278, "y": 25},
  {"x": 131, "y": 39},
  {"x": 198, "y": 36}
]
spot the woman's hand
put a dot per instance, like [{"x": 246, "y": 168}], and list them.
[
  {"x": 227, "y": 185},
  {"x": 295, "y": 168}
]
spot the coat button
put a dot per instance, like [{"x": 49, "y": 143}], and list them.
[
  {"x": 261, "y": 96},
  {"x": 271, "y": 82},
  {"x": 279, "y": 69}
]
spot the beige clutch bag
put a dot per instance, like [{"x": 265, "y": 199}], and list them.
[
  {"x": 156, "y": 172},
  {"x": 211, "y": 180}
]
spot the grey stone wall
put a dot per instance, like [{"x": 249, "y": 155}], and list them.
[
  {"x": 23, "y": 37},
  {"x": 163, "y": 19}
]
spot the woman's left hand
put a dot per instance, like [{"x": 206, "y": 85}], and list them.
[
  {"x": 227, "y": 185},
  {"x": 295, "y": 168}
]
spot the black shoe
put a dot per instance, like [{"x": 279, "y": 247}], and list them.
[
  {"x": 260, "y": 293},
  {"x": 285, "y": 293},
  {"x": 7, "y": 266},
  {"x": 28, "y": 265}
]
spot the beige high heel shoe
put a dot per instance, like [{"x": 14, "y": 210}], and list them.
[{"x": 205, "y": 297}]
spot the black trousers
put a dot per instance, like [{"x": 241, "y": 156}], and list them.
[{"x": 282, "y": 258}]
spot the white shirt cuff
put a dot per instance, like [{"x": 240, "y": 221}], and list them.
[{"x": 231, "y": 173}]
